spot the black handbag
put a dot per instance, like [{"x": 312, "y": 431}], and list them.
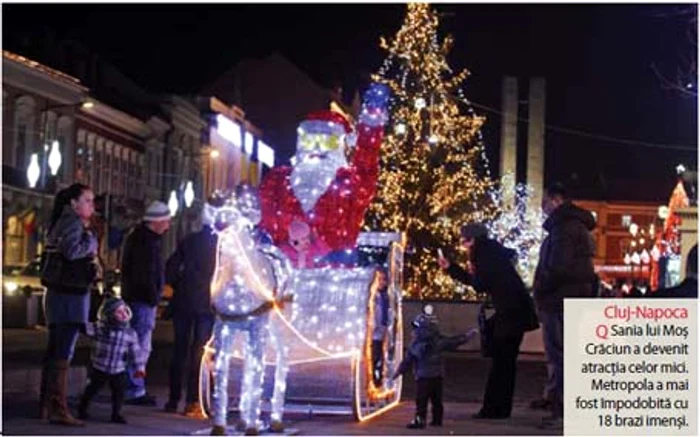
[
  {"x": 59, "y": 272},
  {"x": 486, "y": 329}
]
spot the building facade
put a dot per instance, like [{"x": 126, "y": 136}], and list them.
[
  {"x": 615, "y": 240},
  {"x": 276, "y": 94},
  {"x": 40, "y": 106},
  {"x": 129, "y": 150}
]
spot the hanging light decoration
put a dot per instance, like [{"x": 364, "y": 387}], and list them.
[
  {"x": 189, "y": 194},
  {"x": 33, "y": 171},
  {"x": 173, "y": 204},
  {"x": 55, "y": 158}
]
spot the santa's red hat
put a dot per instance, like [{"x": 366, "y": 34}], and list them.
[{"x": 325, "y": 122}]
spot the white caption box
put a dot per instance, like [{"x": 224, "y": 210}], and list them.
[{"x": 630, "y": 367}]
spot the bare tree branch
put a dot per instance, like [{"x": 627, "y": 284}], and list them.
[{"x": 685, "y": 81}]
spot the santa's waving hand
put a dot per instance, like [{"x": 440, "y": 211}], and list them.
[{"x": 322, "y": 189}]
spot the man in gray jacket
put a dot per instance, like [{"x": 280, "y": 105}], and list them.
[{"x": 565, "y": 270}]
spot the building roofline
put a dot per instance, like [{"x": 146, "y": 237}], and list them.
[{"x": 43, "y": 69}]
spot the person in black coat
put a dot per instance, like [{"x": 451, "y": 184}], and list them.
[
  {"x": 564, "y": 271},
  {"x": 493, "y": 272},
  {"x": 190, "y": 270}
]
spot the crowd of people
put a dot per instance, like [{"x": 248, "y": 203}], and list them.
[{"x": 123, "y": 330}]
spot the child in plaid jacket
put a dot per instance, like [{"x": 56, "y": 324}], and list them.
[{"x": 116, "y": 344}]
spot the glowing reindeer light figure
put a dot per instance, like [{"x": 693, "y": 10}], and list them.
[{"x": 251, "y": 280}]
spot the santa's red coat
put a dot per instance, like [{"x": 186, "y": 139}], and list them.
[{"x": 338, "y": 214}]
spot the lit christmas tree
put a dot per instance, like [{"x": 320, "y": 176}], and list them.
[
  {"x": 518, "y": 224},
  {"x": 434, "y": 173}
]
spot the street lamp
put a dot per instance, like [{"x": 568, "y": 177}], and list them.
[
  {"x": 214, "y": 154},
  {"x": 173, "y": 204},
  {"x": 33, "y": 170}
]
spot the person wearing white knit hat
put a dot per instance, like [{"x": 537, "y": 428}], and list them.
[{"x": 143, "y": 279}]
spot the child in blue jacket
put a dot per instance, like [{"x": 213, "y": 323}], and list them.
[{"x": 424, "y": 354}]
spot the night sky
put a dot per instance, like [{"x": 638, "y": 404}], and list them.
[{"x": 596, "y": 59}]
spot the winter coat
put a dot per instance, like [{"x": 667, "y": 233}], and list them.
[
  {"x": 495, "y": 274},
  {"x": 190, "y": 270},
  {"x": 424, "y": 353},
  {"x": 143, "y": 272},
  {"x": 565, "y": 267},
  {"x": 74, "y": 241}
]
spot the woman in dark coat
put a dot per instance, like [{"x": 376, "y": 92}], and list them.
[
  {"x": 493, "y": 272},
  {"x": 72, "y": 247}
]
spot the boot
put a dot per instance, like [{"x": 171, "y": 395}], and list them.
[
  {"x": 194, "y": 411},
  {"x": 418, "y": 423},
  {"x": 218, "y": 430},
  {"x": 43, "y": 393},
  {"x": 82, "y": 409},
  {"x": 58, "y": 386},
  {"x": 118, "y": 418},
  {"x": 276, "y": 426}
]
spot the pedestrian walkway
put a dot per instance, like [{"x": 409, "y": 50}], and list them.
[
  {"x": 466, "y": 373},
  {"x": 18, "y": 419}
]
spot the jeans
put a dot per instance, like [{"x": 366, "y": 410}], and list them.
[
  {"x": 62, "y": 340},
  {"x": 191, "y": 334},
  {"x": 553, "y": 338},
  {"x": 143, "y": 321}
]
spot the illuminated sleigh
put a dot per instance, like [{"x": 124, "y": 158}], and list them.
[{"x": 328, "y": 329}]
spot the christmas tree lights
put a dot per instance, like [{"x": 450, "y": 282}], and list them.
[
  {"x": 518, "y": 225},
  {"x": 434, "y": 173}
]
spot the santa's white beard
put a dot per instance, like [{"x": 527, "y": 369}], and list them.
[{"x": 311, "y": 178}]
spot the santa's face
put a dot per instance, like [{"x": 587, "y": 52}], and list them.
[{"x": 318, "y": 158}]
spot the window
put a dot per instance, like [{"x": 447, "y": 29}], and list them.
[
  {"x": 116, "y": 170},
  {"x": 151, "y": 168},
  {"x": 139, "y": 176},
  {"x": 24, "y": 129},
  {"x": 48, "y": 126},
  {"x": 80, "y": 157},
  {"x": 159, "y": 170},
  {"x": 99, "y": 167},
  {"x": 626, "y": 221},
  {"x": 65, "y": 139},
  {"x": 125, "y": 171},
  {"x": 133, "y": 181},
  {"x": 89, "y": 160},
  {"x": 108, "y": 166}
]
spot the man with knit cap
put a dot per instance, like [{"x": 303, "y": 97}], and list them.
[
  {"x": 143, "y": 278},
  {"x": 190, "y": 271}
]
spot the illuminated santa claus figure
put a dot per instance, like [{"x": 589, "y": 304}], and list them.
[{"x": 323, "y": 189}]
